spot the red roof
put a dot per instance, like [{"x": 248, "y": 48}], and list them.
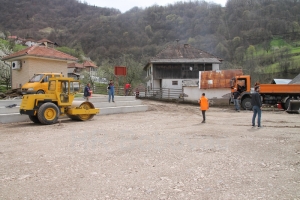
[
  {"x": 45, "y": 40},
  {"x": 41, "y": 51},
  {"x": 12, "y": 37},
  {"x": 89, "y": 64}
]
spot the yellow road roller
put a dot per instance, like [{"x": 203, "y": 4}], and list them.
[{"x": 58, "y": 101}]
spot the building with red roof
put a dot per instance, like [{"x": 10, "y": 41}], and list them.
[{"x": 37, "y": 59}]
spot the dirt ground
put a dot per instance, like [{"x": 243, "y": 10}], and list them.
[{"x": 164, "y": 153}]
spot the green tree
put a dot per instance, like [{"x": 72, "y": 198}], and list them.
[
  {"x": 251, "y": 51},
  {"x": 148, "y": 31}
]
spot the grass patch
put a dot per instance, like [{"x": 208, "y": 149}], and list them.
[
  {"x": 3, "y": 88},
  {"x": 78, "y": 95}
]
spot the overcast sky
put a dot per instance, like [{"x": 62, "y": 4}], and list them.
[{"x": 125, "y": 5}]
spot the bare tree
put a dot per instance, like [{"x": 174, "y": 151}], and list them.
[{"x": 4, "y": 67}]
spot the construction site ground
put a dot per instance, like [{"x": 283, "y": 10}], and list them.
[{"x": 164, "y": 153}]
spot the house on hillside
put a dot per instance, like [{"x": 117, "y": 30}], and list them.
[
  {"x": 74, "y": 69},
  {"x": 29, "y": 42},
  {"x": 90, "y": 67},
  {"x": 180, "y": 70},
  {"x": 36, "y": 59},
  {"x": 47, "y": 43}
]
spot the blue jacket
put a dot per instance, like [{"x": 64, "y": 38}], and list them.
[
  {"x": 86, "y": 91},
  {"x": 111, "y": 87}
]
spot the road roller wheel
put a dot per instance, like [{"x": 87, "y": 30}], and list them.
[
  {"x": 83, "y": 117},
  {"x": 48, "y": 113}
]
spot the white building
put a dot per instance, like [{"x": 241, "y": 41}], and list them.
[{"x": 181, "y": 70}]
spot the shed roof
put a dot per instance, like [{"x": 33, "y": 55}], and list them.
[
  {"x": 281, "y": 81},
  {"x": 296, "y": 80},
  {"x": 183, "y": 53},
  {"x": 40, "y": 51}
]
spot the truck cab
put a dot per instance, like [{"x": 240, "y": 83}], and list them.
[
  {"x": 243, "y": 85},
  {"x": 38, "y": 84}
]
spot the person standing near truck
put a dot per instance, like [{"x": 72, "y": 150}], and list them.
[
  {"x": 236, "y": 99},
  {"x": 204, "y": 105},
  {"x": 111, "y": 91},
  {"x": 87, "y": 92},
  {"x": 256, "y": 106}
]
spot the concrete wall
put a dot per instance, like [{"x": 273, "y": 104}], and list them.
[
  {"x": 30, "y": 66},
  {"x": 167, "y": 83},
  {"x": 216, "y": 96},
  {"x": 156, "y": 84},
  {"x": 215, "y": 67}
]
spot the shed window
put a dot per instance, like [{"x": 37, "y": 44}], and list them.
[{"x": 174, "y": 82}]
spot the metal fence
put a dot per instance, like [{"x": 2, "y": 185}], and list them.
[
  {"x": 102, "y": 89},
  {"x": 156, "y": 93},
  {"x": 161, "y": 93}
]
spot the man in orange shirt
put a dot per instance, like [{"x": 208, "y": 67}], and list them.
[{"x": 204, "y": 105}]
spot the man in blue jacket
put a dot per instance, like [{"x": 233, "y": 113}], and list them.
[
  {"x": 256, "y": 106},
  {"x": 87, "y": 92},
  {"x": 111, "y": 91}
]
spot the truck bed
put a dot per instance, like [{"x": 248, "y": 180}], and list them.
[{"x": 280, "y": 89}]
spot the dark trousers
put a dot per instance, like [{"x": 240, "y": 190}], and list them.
[
  {"x": 256, "y": 111},
  {"x": 203, "y": 114}
]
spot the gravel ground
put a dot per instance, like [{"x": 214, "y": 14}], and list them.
[{"x": 164, "y": 153}]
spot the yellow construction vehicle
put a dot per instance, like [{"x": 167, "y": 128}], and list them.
[{"x": 58, "y": 101}]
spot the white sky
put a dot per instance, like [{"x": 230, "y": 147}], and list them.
[{"x": 125, "y": 5}]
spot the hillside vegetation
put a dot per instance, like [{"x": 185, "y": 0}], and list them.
[{"x": 260, "y": 36}]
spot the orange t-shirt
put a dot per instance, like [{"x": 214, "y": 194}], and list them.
[{"x": 204, "y": 105}]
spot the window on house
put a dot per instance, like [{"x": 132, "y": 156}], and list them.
[{"x": 174, "y": 82}]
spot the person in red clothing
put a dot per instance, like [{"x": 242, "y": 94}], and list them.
[
  {"x": 204, "y": 106},
  {"x": 127, "y": 88}
]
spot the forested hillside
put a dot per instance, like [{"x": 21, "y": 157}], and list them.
[{"x": 253, "y": 34}]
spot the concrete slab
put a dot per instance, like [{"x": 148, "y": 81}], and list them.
[
  {"x": 4, "y": 103},
  {"x": 13, "y": 117},
  {"x": 123, "y": 109},
  {"x": 4, "y": 110},
  {"x": 116, "y": 104}
]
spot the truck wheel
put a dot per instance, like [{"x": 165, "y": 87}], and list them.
[
  {"x": 286, "y": 104},
  {"x": 246, "y": 103},
  {"x": 34, "y": 119},
  {"x": 40, "y": 92},
  {"x": 48, "y": 113}
]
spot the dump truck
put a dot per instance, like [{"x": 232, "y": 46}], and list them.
[
  {"x": 271, "y": 94},
  {"x": 58, "y": 101}
]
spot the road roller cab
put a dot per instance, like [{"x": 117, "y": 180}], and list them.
[{"x": 58, "y": 101}]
